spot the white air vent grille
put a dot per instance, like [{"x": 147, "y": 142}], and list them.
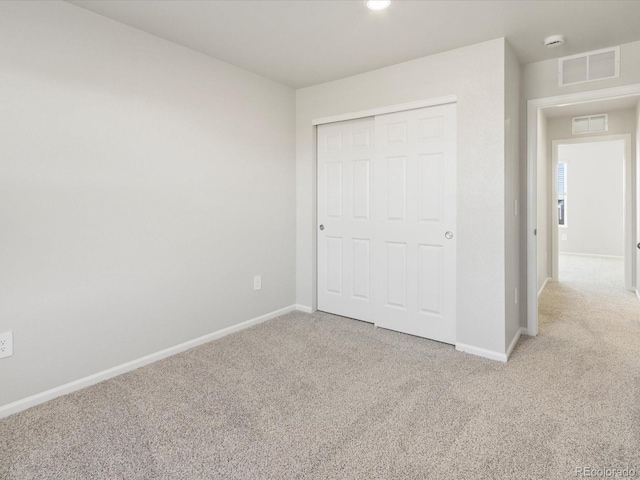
[
  {"x": 574, "y": 70},
  {"x": 590, "y": 124},
  {"x": 589, "y": 67}
]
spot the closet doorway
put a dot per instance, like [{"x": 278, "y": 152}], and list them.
[{"x": 386, "y": 220}]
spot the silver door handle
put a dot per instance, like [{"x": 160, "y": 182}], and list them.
[{"x": 449, "y": 235}]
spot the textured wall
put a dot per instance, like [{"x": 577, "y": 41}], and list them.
[
  {"x": 143, "y": 185},
  {"x": 595, "y": 199},
  {"x": 476, "y": 75}
]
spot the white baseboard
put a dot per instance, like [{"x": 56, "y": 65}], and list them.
[
  {"x": 481, "y": 352},
  {"x": 619, "y": 257},
  {"x": 81, "y": 383},
  {"x": 303, "y": 308},
  {"x": 514, "y": 342},
  {"x": 546, "y": 280}
]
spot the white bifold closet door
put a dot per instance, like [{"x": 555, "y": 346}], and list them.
[{"x": 387, "y": 215}]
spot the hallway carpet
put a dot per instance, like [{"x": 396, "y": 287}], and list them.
[
  {"x": 319, "y": 396},
  {"x": 591, "y": 272}
]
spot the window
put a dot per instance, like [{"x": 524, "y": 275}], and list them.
[{"x": 562, "y": 194}]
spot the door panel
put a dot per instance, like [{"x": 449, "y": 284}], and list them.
[
  {"x": 430, "y": 279},
  {"x": 396, "y": 275},
  {"x": 345, "y": 156},
  {"x": 396, "y": 193},
  {"x": 361, "y": 268},
  {"x": 334, "y": 189},
  {"x": 414, "y": 290},
  {"x": 334, "y": 265},
  {"x": 361, "y": 189},
  {"x": 431, "y": 181}
]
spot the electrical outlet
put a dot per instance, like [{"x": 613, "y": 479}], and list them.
[
  {"x": 6, "y": 344},
  {"x": 257, "y": 282}
]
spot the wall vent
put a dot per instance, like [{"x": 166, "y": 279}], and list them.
[
  {"x": 590, "y": 124},
  {"x": 589, "y": 67}
]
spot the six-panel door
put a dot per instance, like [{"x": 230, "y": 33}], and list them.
[
  {"x": 345, "y": 158},
  {"x": 415, "y": 205}
]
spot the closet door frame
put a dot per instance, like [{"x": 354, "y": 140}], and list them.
[{"x": 449, "y": 99}]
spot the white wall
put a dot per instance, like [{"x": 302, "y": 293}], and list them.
[
  {"x": 595, "y": 199},
  {"x": 620, "y": 122},
  {"x": 559, "y": 128},
  {"x": 143, "y": 185},
  {"x": 512, "y": 193},
  {"x": 476, "y": 75},
  {"x": 540, "y": 79},
  {"x": 543, "y": 224}
]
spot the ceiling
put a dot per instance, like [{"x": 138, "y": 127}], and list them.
[{"x": 306, "y": 42}]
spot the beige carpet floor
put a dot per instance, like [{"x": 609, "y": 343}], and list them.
[
  {"x": 319, "y": 396},
  {"x": 591, "y": 271}
]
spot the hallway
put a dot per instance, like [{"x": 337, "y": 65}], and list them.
[
  {"x": 590, "y": 298},
  {"x": 590, "y": 335}
]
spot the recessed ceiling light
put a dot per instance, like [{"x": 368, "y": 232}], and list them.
[{"x": 378, "y": 4}]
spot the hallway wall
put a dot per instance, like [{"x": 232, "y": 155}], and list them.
[{"x": 595, "y": 199}]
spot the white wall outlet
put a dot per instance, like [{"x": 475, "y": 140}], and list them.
[
  {"x": 257, "y": 282},
  {"x": 6, "y": 344}
]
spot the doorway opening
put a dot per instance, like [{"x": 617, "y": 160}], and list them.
[
  {"x": 589, "y": 210},
  {"x": 554, "y": 135}
]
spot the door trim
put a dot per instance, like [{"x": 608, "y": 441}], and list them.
[
  {"x": 628, "y": 233},
  {"x": 384, "y": 110},
  {"x": 533, "y": 106}
]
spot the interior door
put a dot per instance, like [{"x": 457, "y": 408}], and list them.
[
  {"x": 345, "y": 250},
  {"x": 415, "y": 210}
]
